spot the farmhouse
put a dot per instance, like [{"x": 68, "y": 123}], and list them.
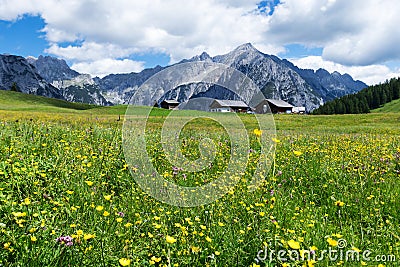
[
  {"x": 274, "y": 106},
  {"x": 169, "y": 104},
  {"x": 228, "y": 106}
]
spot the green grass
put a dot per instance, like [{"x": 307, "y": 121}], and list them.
[
  {"x": 20, "y": 101},
  {"x": 393, "y": 106},
  {"x": 65, "y": 174},
  {"x": 15, "y": 101}
]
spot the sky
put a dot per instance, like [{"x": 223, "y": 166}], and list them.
[{"x": 358, "y": 37}]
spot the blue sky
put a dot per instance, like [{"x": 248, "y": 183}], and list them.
[{"x": 101, "y": 37}]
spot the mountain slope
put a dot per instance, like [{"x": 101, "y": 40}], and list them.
[
  {"x": 73, "y": 86},
  {"x": 328, "y": 85},
  {"x": 17, "y": 73},
  {"x": 276, "y": 78},
  {"x": 378, "y": 97},
  {"x": 53, "y": 69}
]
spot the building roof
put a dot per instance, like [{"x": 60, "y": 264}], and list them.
[
  {"x": 279, "y": 103},
  {"x": 171, "y": 101},
  {"x": 232, "y": 103}
]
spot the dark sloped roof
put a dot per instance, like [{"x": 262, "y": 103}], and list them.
[
  {"x": 171, "y": 101},
  {"x": 279, "y": 103}
]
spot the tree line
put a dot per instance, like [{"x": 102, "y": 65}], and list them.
[{"x": 363, "y": 101}]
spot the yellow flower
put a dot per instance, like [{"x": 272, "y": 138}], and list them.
[
  {"x": 257, "y": 132},
  {"x": 195, "y": 249},
  {"x": 119, "y": 220},
  {"x": 19, "y": 214},
  {"x": 276, "y": 140},
  {"x": 79, "y": 232},
  {"x": 27, "y": 201},
  {"x": 6, "y": 245},
  {"x": 208, "y": 239},
  {"x": 155, "y": 259},
  {"x": 356, "y": 249},
  {"x": 69, "y": 192},
  {"x": 150, "y": 234},
  {"x": 337, "y": 235},
  {"x": 108, "y": 197},
  {"x": 217, "y": 253},
  {"x": 221, "y": 224},
  {"x": 332, "y": 242},
  {"x": 89, "y": 183},
  {"x": 106, "y": 213},
  {"x": 124, "y": 262},
  {"x": 88, "y": 236},
  {"x": 297, "y": 153},
  {"x": 99, "y": 208},
  {"x": 293, "y": 244},
  {"x": 128, "y": 225},
  {"x": 33, "y": 238},
  {"x": 170, "y": 239},
  {"x": 339, "y": 203}
]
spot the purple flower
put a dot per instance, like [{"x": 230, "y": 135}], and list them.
[
  {"x": 121, "y": 214},
  {"x": 67, "y": 240}
]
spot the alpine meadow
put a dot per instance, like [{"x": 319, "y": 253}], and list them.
[{"x": 331, "y": 196}]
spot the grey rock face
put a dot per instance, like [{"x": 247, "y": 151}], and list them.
[
  {"x": 16, "y": 71},
  {"x": 73, "y": 86},
  {"x": 276, "y": 78},
  {"x": 53, "y": 69}
]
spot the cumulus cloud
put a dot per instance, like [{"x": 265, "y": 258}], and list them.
[
  {"x": 103, "y": 67},
  {"x": 356, "y": 32},
  {"x": 371, "y": 74}
]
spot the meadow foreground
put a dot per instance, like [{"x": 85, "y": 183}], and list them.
[{"x": 67, "y": 197}]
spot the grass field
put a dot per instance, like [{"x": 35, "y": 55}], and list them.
[
  {"x": 393, "y": 106},
  {"x": 67, "y": 197}
]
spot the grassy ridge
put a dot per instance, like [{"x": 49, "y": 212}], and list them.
[
  {"x": 20, "y": 101},
  {"x": 393, "y": 106}
]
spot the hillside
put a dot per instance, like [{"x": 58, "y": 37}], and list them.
[
  {"x": 393, "y": 106},
  {"x": 15, "y": 101},
  {"x": 369, "y": 99}
]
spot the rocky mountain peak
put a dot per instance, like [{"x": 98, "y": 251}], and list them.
[{"x": 53, "y": 69}]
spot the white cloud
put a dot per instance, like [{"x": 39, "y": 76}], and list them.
[
  {"x": 103, "y": 67},
  {"x": 356, "y": 32},
  {"x": 371, "y": 74},
  {"x": 89, "y": 51}
]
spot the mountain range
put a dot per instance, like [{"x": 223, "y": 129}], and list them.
[{"x": 277, "y": 78}]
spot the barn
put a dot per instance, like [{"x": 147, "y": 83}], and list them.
[
  {"x": 228, "y": 106},
  {"x": 169, "y": 104},
  {"x": 274, "y": 106}
]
